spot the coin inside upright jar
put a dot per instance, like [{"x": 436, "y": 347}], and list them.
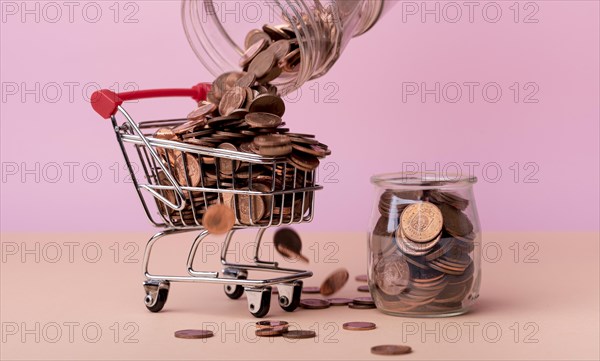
[
  {"x": 392, "y": 274},
  {"x": 421, "y": 222}
]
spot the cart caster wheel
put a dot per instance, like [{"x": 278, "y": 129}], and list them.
[
  {"x": 259, "y": 301},
  {"x": 156, "y": 295},
  {"x": 289, "y": 295},
  {"x": 235, "y": 291}
]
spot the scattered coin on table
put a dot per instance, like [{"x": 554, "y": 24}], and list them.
[
  {"x": 339, "y": 301},
  {"x": 361, "y": 278},
  {"x": 363, "y": 288},
  {"x": 311, "y": 289},
  {"x": 389, "y": 350},
  {"x": 359, "y": 326},
  {"x": 300, "y": 334},
  {"x": 314, "y": 303},
  {"x": 191, "y": 334}
]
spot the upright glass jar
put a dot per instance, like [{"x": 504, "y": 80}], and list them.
[
  {"x": 216, "y": 30},
  {"x": 424, "y": 245}
]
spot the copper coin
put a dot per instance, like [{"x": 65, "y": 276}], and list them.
[
  {"x": 359, "y": 326},
  {"x": 262, "y": 64},
  {"x": 300, "y": 334},
  {"x": 274, "y": 32},
  {"x": 334, "y": 282},
  {"x": 311, "y": 289},
  {"x": 226, "y": 165},
  {"x": 455, "y": 221},
  {"x": 272, "y": 140},
  {"x": 290, "y": 61},
  {"x": 193, "y": 334},
  {"x": 363, "y": 301},
  {"x": 358, "y": 306},
  {"x": 270, "y": 331},
  {"x": 392, "y": 274},
  {"x": 223, "y": 83},
  {"x": 246, "y": 81},
  {"x": 311, "y": 150},
  {"x": 275, "y": 151},
  {"x": 268, "y": 103},
  {"x": 202, "y": 111},
  {"x": 314, "y": 303},
  {"x": 254, "y": 36},
  {"x": 165, "y": 133},
  {"x": 280, "y": 48},
  {"x": 339, "y": 301},
  {"x": 258, "y": 208},
  {"x": 421, "y": 222},
  {"x": 190, "y": 126},
  {"x": 252, "y": 51},
  {"x": 263, "y": 120},
  {"x": 361, "y": 278},
  {"x": 288, "y": 243},
  {"x": 273, "y": 74},
  {"x": 389, "y": 350},
  {"x": 271, "y": 323},
  {"x": 188, "y": 167},
  {"x": 452, "y": 199},
  {"x": 304, "y": 162},
  {"x": 226, "y": 120},
  {"x": 232, "y": 99},
  {"x": 363, "y": 288},
  {"x": 218, "y": 219}
]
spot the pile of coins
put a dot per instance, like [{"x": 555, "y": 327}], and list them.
[
  {"x": 243, "y": 114},
  {"x": 420, "y": 249}
]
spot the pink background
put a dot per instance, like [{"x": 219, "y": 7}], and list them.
[{"x": 370, "y": 128}]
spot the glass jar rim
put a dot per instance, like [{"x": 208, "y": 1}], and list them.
[{"x": 422, "y": 180}]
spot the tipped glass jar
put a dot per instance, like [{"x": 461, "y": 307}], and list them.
[
  {"x": 217, "y": 30},
  {"x": 424, "y": 245}
]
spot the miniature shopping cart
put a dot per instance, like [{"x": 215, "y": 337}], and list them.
[{"x": 168, "y": 200}]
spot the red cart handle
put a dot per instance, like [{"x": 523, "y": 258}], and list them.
[{"x": 105, "y": 102}]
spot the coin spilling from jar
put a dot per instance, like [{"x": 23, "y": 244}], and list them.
[
  {"x": 243, "y": 114},
  {"x": 421, "y": 247}
]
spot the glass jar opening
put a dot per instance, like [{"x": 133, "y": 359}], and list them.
[{"x": 422, "y": 180}]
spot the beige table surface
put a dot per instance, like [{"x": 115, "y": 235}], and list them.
[{"x": 539, "y": 300}]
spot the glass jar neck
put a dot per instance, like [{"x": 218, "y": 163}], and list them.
[{"x": 323, "y": 29}]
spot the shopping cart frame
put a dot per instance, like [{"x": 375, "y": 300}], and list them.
[{"x": 234, "y": 276}]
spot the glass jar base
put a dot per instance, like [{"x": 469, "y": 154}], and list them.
[{"x": 428, "y": 314}]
